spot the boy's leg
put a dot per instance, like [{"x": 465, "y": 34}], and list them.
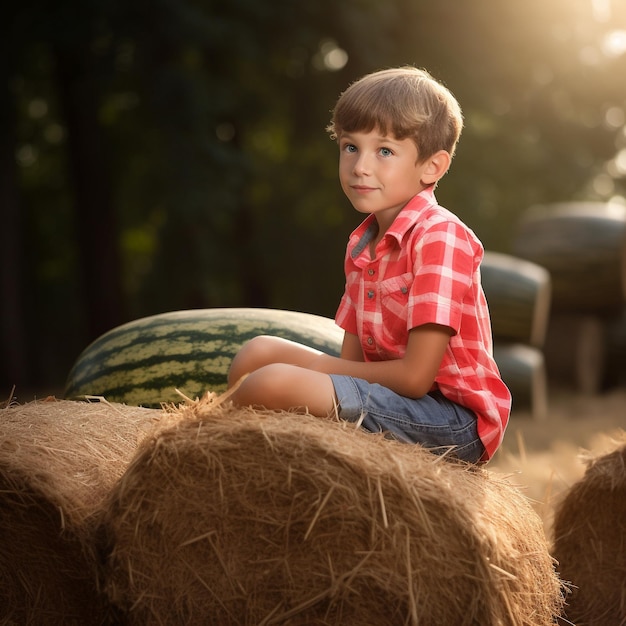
[
  {"x": 264, "y": 350},
  {"x": 432, "y": 420},
  {"x": 286, "y": 387}
]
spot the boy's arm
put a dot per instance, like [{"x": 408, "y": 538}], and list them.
[
  {"x": 411, "y": 376},
  {"x": 351, "y": 348}
]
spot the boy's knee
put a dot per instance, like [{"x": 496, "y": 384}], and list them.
[
  {"x": 257, "y": 347},
  {"x": 252, "y": 355},
  {"x": 269, "y": 380},
  {"x": 262, "y": 387}
]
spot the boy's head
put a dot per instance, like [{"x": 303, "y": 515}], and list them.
[{"x": 405, "y": 102}]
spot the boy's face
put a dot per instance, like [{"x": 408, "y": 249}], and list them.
[{"x": 379, "y": 173}]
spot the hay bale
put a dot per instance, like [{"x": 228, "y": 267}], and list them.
[
  {"x": 523, "y": 370},
  {"x": 518, "y": 293},
  {"x": 58, "y": 461},
  {"x": 583, "y": 247},
  {"x": 590, "y": 541},
  {"x": 237, "y": 516}
]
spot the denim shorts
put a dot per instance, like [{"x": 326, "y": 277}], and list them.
[{"x": 433, "y": 421}]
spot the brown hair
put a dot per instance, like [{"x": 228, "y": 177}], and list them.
[{"x": 406, "y": 102}]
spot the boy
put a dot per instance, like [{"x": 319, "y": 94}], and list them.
[{"x": 416, "y": 360}]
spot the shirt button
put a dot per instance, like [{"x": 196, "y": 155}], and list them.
[
  {"x": 370, "y": 294},
  {"x": 371, "y": 272},
  {"x": 403, "y": 289},
  {"x": 370, "y": 341}
]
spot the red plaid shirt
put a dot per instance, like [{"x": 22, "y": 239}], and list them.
[{"x": 427, "y": 271}]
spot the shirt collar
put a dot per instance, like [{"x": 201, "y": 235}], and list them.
[
  {"x": 405, "y": 220},
  {"x": 410, "y": 213}
]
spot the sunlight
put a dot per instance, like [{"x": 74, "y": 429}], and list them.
[
  {"x": 225, "y": 131},
  {"x": 27, "y": 155},
  {"x": 601, "y": 10},
  {"x": 603, "y": 185},
  {"x": 614, "y": 117},
  {"x": 618, "y": 164},
  {"x": 54, "y": 133},
  {"x": 330, "y": 56},
  {"x": 37, "y": 108},
  {"x": 598, "y": 25},
  {"x": 614, "y": 43}
]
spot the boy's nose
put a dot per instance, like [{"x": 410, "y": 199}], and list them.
[{"x": 360, "y": 165}]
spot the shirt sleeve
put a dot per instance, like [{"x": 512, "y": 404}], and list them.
[{"x": 346, "y": 315}]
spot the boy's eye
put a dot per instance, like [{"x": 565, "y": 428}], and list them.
[{"x": 386, "y": 152}]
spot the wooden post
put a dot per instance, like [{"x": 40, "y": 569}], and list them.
[
  {"x": 575, "y": 352},
  {"x": 615, "y": 347}
]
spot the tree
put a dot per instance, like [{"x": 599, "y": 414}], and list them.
[
  {"x": 174, "y": 155},
  {"x": 12, "y": 339}
]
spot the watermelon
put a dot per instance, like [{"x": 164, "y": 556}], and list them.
[{"x": 143, "y": 362}]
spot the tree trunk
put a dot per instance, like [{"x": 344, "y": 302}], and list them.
[
  {"x": 13, "y": 369},
  {"x": 96, "y": 221}
]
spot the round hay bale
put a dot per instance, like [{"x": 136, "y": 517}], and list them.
[
  {"x": 523, "y": 370},
  {"x": 589, "y": 541},
  {"x": 236, "y": 516},
  {"x": 583, "y": 246},
  {"x": 58, "y": 461},
  {"x": 518, "y": 293}
]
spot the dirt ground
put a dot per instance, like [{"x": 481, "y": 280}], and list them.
[{"x": 545, "y": 457}]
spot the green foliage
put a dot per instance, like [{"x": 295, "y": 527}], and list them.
[{"x": 222, "y": 177}]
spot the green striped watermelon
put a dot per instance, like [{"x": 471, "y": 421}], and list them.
[{"x": 143, "y": 362}]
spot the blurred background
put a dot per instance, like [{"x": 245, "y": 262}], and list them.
[{"x": 172, "y": 154}]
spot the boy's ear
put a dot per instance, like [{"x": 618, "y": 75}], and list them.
[{"x": 438, "y": 164}]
